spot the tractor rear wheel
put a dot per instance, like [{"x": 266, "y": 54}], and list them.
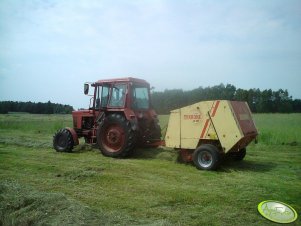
[
  {"x": 115, "y": 136},
  {"x": 63, "y": 141},
  {"x": 206, "y": 157}
]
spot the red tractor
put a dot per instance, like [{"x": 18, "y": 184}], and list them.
[{"x": 120, "y": 117}]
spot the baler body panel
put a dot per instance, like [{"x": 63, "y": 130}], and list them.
[
  {"x": 227, "y": 122},
  {"x": 193, "y": 119},
  {"x": 226, "y": 125},
  {"x": 174, "y": 129}
]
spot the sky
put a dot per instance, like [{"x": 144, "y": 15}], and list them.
[{"x": 50, "y": 48}]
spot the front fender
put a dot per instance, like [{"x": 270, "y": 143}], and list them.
[{"x": 74, "y": 135}]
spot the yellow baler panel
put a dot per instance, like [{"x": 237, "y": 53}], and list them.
[
  {"x": 226, "y": 125},
  {"x": 211, "y": 134},
  {"x": 193, "y": 120},
  {"x": 207, "y": 120},
  {"x": 173, "y": 133}
]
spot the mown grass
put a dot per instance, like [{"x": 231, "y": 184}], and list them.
[
  {"x": 23, "y": 206},
  {"x": 41, "y": 186}
]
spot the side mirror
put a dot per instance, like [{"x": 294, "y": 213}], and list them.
[{"x": 86, "y": 88}]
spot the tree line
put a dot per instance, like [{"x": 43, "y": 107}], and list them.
[
  {"x": 266, "y": 101},
  {"x": 35, "y": 108}
]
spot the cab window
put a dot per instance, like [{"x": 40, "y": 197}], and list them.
[
  {"x": 140, "y": 98},
  {"x": 118, "y": 95},
  {"x": 102, "y": 95}
]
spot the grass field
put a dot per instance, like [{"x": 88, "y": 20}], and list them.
[{"x": 39, "y": 186}]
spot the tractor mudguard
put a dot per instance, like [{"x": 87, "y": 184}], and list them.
[
  {"x": 134, "y": 124},
  {"x": 74, "y": 135}
]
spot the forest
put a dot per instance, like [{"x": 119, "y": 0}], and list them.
[
  {"x": 260, "y": 101},
  {"x": 35, "y": 108},
  {"x": 266, "y": 101}
]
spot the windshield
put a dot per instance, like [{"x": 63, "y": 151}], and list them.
[
  {"x": 140, "y": 98},
  {"x": 118, "y": 95}
]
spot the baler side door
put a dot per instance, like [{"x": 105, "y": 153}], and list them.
[{"x": 225, "y": 125}]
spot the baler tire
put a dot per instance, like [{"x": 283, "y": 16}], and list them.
[
  {"x": 206, "y": 157},
  {"x": 115, "y": 136},
  {"x": 239, "y": 156},
  {"x": 63, "y": 141}
]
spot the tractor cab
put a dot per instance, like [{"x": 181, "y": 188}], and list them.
[
  {"x": 120, "y": 93},
  {"x": 119, "y": 117}
]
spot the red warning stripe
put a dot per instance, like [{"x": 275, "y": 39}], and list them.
[
  {"x": 205, "y": 128},
  {"x": 215, "y": 108}
]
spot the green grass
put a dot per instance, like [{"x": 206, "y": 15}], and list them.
[
  {"x": 31, "y": 130},
  {"x": 40, "y": 186},
  {"x": 279, "y": 128}
]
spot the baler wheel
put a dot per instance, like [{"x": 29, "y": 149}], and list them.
[
  {"x": 115, "y": 136},
  {"x": 238, "y": 156},
  {"x": 206, "y": 157},
  {"x": 63, "y": 141}
]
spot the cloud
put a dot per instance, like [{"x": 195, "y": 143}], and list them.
[{"x": 193, "y": 42}]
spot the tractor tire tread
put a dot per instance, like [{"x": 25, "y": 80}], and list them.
[{"x": 69, "y": 143}]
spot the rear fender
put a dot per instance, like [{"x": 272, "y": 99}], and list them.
[
  {"x": 134, "y": 124},
  {"x": 74, "y": 135},
  {"x": 131, "y": 117}
]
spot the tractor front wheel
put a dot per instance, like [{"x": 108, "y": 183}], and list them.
[
  {"x": 115, "y": 136},
  {"x": 63, "y": 141},
  {"x": 206, "y": 157}
]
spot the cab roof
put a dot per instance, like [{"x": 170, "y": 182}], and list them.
[{"x": 119, "y": 80}]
